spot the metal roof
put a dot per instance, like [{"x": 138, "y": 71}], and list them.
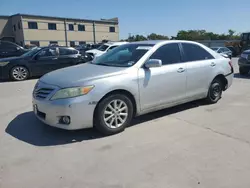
[{"x": 109, "y": 21}]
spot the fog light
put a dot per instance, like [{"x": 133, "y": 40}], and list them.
[{"x": 65, "y": 120}]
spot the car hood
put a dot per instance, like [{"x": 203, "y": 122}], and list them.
[
  {"x": 10, "y": 59},
  {"x": 77, "y": 75},
  {"x": 95, "y": 51}
]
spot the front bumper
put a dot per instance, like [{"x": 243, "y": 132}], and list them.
[{"x": 79, "y": 109}]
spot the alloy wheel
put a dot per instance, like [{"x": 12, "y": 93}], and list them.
[
  {"x": 115, "y": 114},
  {"x": 19, "y": 73}
]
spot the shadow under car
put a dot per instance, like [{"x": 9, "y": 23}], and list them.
[{"x": 27, "y": 128}]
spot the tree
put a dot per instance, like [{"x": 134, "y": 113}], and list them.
[
  {"x": 204, "y": 35},
  {"x": 154, "y": 36},
  {"x": 231, "y": 33},
  {"x": 136, "y": 38}
]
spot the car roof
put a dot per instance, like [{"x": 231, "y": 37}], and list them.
[
  {"x": 218, "y": 47},
  {"x": 154, "y": 42},
  {"x": 43, "y": 47},
  {"x": 115, "y": 43}
]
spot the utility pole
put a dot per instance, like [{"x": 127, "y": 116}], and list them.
[
  {"x": 65, "y": 30},
  {"x": 94, "y": 36}
]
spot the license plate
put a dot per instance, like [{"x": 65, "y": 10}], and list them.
[{"x": 35, "y": 108}]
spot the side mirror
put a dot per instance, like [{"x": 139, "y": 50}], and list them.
[
  {"x": 151, "y": 63},
  {"x": 18, "y": 48}
]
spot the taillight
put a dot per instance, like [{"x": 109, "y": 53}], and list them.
[{"x": 231, "y": 65}]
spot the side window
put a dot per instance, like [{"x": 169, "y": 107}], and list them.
[
  {"x": 168, "y": 54},
  {"x": 194, "y": 52},
  {"x": 220, "y": 50},
  {"x": 65, "y": 51},
  {"x": 48, "y": 52}
]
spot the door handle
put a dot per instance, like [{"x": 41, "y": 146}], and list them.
[
  {"x": 212, "y": 64},
  {"x": 180, "y": 70},
  {"x": 55, "y": 58}
]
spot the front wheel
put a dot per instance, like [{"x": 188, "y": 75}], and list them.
[
  {"x": 214, "y": 92},
  {"x": 19, "y": 73},
  {"x": 114, "y": 113}
]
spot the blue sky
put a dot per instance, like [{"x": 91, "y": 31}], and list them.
[{"x": 143, "y": 17}]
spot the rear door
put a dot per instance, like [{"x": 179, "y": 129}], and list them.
[
  {"x": 45, "y": 61},
  {"x": 199, "y": 64},
  {"x": 68, "y": 57}
]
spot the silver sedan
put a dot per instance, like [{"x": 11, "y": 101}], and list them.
[{"x": 130, "y": 80}]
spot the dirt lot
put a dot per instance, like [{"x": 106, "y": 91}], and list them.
[{"x": 193, "y": 145}]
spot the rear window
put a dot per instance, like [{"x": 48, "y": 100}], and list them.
[{"x": 66, "y": 51}]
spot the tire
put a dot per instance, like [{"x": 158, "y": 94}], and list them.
[
  {"x": 214, "y": 92},
  {"x": 108, "y": 120},
  {"x": 243, "y": 71},
  {"x": 19, "y": 73}
]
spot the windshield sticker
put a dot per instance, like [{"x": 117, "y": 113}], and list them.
[{"x": 143, "y": 47}]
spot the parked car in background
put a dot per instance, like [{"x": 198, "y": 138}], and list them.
[
  {"x": 244, "y": 62},
  {"x": 234, "y": 51},
  {"x": 130, "y": 80},
  {"x": 104, "y": 48},
  {"x": 222, "y": 51},
  {"x": 85, "y": 47},
  {"x": 38, "y": 62},
  {"x": 10, "y": 49}
]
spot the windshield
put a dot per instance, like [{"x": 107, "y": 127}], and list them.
[
  {"x": 32, "y": 52},
  {"x": 214, "y": 48},
  {"x": 123, "y": 56},
  {"x": 103, "y": 47}
]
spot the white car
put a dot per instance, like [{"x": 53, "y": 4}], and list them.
[
  {"x": 131, "y": 80},
  {"x": 104, "y": 48}
]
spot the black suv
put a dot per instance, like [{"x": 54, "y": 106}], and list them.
[
  {"x": 9, "y": 49},
  {"x": 244, "y": 62},
  {"x": 39, "y": 61}
]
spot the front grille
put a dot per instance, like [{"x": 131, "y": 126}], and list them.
[{"x": 43, "y": 93}]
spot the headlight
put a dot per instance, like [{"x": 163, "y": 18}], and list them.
[
  {"x": 4, "y": 63},
  {"x": 72, "y": 92}
]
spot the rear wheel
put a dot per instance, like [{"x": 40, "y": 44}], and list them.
[
  {"x": 243, "y": 71},
  {"x": 19, "y": 73},
  {"x": 215, "y": 91},
  {"x": 114, "y": 113}
]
